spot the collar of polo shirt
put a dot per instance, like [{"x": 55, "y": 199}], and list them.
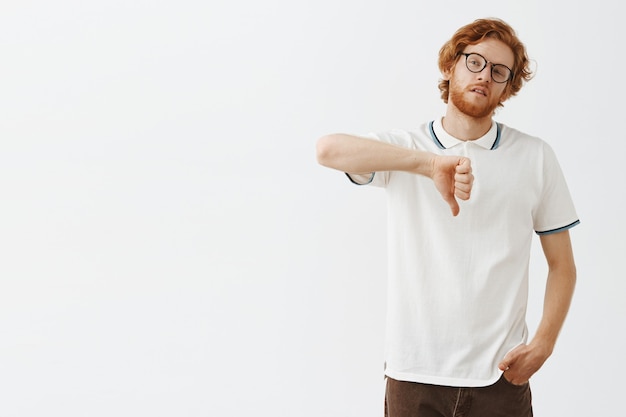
[{"x": 444, "y": 140}]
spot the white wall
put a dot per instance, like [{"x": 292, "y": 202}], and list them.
[{"x": 169, "y": 246}]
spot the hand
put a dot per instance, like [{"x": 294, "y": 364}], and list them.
[
  {"x": 453, "y": 176},
  {"x": 522, "y": 362}
]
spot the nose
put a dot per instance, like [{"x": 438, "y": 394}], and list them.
[{"x": 485, "y": 74}]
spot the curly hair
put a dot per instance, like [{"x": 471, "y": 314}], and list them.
[{"x": 474, "y": 33}]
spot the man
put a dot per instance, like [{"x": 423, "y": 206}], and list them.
[{"x": 457, "y": 341}]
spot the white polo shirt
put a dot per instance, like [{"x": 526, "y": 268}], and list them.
[{"x": 458, "y": 286}]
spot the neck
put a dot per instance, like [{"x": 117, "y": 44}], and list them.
[{"x": 464, "y": 127}]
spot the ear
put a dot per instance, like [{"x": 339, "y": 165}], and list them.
[{"x": 447, "y": 74}]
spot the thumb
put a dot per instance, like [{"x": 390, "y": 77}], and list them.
[
  {"x": 454, "y": 205},
  {"x": 508, "y": 360}
]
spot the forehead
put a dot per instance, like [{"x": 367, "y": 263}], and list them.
[{"x": 494, "y": 51}]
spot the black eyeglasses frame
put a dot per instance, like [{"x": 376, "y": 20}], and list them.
[{"x": 487, "y": 62}]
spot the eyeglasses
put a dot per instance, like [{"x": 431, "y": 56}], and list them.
[{"x": 476, "y": 63}]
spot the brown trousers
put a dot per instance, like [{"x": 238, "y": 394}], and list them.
[{"x": 502, "y": 399}]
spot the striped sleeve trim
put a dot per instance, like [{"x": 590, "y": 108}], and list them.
[
  {"x": 560, "y": 229},
  {"x": 371, "y": 178}
]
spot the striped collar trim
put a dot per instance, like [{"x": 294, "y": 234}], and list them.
[{"x": 444, "y": 140}]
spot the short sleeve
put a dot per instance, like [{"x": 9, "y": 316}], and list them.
[{"x": 555, "y": 209}]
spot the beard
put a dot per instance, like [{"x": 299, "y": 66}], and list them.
[{"x": 470, "y": 108}]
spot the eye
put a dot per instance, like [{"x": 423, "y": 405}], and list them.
[{"x": 501, "y": 72}]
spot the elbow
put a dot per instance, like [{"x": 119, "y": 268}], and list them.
[{"x": 324, "y": 150}]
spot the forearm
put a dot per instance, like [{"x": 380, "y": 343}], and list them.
[
  {"x": 558, "y": 296},
  {"x": 358, "y": 155}
]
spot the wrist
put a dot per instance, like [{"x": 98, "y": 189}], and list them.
[
  {"x": 544, "y": 346},
  {"x": 425, "y": 163}
]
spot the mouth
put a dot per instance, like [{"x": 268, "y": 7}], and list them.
[{"x": 478, "y": 90}]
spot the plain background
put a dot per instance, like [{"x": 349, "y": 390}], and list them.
[{"x": 169, "y": 245}]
